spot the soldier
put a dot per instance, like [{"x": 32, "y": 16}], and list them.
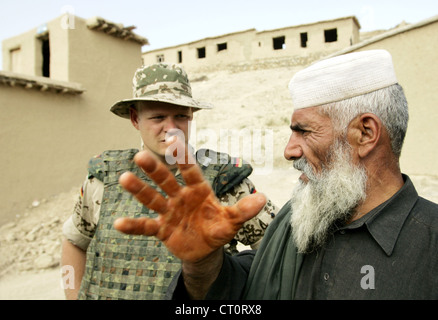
[{"x": 112, "y": 265}]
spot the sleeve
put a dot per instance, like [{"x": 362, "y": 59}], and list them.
[
  {"x": 80, "y": 226},
  {"x": 252, "y": 230},
  {"x": 229, "y": 285}
]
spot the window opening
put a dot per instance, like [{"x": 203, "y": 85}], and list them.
[
  {"x": 303, "y": 37},
  {"x": 221, "y": 46},
  {"x": 179, "y": 56},
  {"x": 279, "y": 43},
  {"x": 331, "y": 35},
  {"x": 15, "y": 59},
  {"x": 46, "y": 56},
  {"x": 201, "y": 53},
  {"x": 160, "y": 58}
]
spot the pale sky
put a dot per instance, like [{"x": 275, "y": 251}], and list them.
[{"x": 167, "y": 23}]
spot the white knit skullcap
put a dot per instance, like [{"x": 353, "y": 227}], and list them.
[{"x": 342, "y": 77}]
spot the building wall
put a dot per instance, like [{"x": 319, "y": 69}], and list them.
[
  {"x": 26, "y": 44},
  {"x": 237, "y": 49},
  {"x": 47, "y": 138},
  {"x": 415, "y": 54},
  {"x": 346, "y": 36},
  {"x": 252, "y": 46}
]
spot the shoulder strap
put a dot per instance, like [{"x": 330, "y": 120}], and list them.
[
  {"x": 110, "y": 160},
  {"x": 221, "y": 170}
]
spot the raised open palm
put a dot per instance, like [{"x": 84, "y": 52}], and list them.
[{"x": 191, "y": 221}]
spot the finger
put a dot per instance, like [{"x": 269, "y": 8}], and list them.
[
  {"x": 248, "y": 207},
  {"x": 139, "y": 226},
  {"x": 190, "y": 171},
  {"x": 143, "y": 192},
  {"x": 236, "y": 215},
  {"x": 158, "y": 172}
]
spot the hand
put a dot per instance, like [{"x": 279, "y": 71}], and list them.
[{"x": 191, "y": 222}]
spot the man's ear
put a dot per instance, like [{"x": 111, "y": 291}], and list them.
[
  {"x": 364, "y": 133},
  {"x": 134, "y": 117}
]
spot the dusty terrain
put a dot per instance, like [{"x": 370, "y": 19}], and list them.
[{"x": 247, "y": 104}]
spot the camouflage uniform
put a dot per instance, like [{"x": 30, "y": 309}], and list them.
[
  {"x": 120, "y": 266},
  {"x": 135, "y": 267}
]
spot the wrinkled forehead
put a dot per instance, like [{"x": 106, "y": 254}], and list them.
[{"x": 312, "y": 115}]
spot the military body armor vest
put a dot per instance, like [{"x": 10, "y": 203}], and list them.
[{"x": 120, "y": 266}]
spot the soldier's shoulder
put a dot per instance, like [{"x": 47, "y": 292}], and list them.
[{"x": 97, "y": 165}]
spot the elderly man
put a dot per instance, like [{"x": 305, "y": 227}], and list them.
[
  {"x": 110, "y": 265},
  {"x": 355, "y": 228}
]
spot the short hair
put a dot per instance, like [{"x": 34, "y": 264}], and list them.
[{"x": 389, "y": 104}]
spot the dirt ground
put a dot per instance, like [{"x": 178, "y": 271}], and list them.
[{"x": 250, "y": 103}]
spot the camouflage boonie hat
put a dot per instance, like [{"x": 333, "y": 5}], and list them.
[{"x": 159, "y": 82}]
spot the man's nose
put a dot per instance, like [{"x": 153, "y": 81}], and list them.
[
  {"x": 293, "y": 149},
  {"x": 169, "y": 124}
]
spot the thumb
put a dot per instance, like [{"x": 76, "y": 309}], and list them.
[{"x": 250, "y": 206}]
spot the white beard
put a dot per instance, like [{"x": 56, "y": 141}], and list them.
[{"x": 328, "y": 197}]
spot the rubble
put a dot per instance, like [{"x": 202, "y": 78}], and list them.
[{"x": 32, "y": 242}]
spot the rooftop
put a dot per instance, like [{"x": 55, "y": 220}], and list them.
[
  {"x": 115, "y": 29},
  {"x": 39, "y": 83},
  {"x": 401, "y": 28}
]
